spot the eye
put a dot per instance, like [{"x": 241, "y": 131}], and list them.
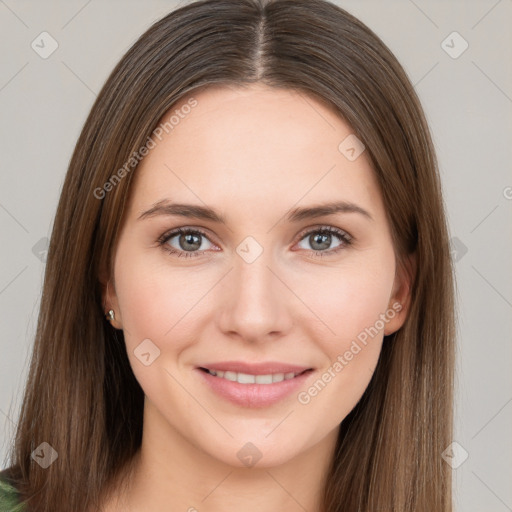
[
  {"x": 189, "y": 242},
  {"x": 322, "y": 238}
]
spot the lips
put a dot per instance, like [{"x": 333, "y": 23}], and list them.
[
  {"x": 264, "y": 368},
  {"x": 248, "y": 378},
  {"x": 253, "y": 384}
]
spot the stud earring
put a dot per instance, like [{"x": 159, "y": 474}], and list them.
[{"x": 110, "y": 315}]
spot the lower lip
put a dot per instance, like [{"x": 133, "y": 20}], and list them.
[{"x": 254, "y": 395}]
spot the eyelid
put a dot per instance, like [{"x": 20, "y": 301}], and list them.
[
  {"x": 310, "y": 229},
  {"x": 323, "y": 227},
  {"x": 345, "y": 238},
  {"x": 171, "y": 233}
]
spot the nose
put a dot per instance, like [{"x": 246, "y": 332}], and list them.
[{"x": 257, "y": 302}]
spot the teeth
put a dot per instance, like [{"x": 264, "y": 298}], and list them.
[
  {"x": 264, "y": 379},
  {"x": 245, "y": 378},
  {"x": 230, "y": 376}
]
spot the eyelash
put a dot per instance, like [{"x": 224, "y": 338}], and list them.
[{"x": 344, "y": 237}]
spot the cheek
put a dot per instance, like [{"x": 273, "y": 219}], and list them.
[
  {"x": 353, "y": 306},
  {"x": 357, "y": 306},
  {"x": 351, "y": 298},
  {"x": 154, "y": 301},
  {"x": 157, "y": 305}
]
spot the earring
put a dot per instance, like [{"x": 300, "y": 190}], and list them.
[{"x": 110, "y": 315}]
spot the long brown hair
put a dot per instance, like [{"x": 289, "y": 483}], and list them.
[{"x": 82, "y": 397}]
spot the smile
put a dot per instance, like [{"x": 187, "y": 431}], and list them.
[
  {"x": 247, "y": 378},
  {"x": 258, "y": 385}
]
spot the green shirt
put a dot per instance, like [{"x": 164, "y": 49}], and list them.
[{"x": 9, "y": 497}]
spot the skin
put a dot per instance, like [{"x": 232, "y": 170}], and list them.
[{"x": 252, "y": 154}]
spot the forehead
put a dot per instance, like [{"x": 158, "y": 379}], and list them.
[{"x": 255, "y": 145}]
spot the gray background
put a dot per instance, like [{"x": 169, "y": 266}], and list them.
[{"x": 468, "y": 102}]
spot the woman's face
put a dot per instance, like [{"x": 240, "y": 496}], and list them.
[{"x": 291, "y": 301}]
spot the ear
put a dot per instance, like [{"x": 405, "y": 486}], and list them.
[
  {"x": 109, "y": 300},
  {"x": 400, "y": 299}
]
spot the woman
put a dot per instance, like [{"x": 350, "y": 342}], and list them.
[{"x": 248, "y": 297}]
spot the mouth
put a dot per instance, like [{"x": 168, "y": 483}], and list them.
[
  {"x": 253, "y": 385},
  {"x": 248, "y": 378}
]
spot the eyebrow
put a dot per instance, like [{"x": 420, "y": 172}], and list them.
[{"x": 165, "y": 207}]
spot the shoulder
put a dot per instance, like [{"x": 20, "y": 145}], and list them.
[{"x": 9, "y": 497}]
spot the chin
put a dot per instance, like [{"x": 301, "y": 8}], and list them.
[{"x": 257, "y": 451}]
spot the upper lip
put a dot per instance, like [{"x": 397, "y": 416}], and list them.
[{"x": 263, "y": 368}]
